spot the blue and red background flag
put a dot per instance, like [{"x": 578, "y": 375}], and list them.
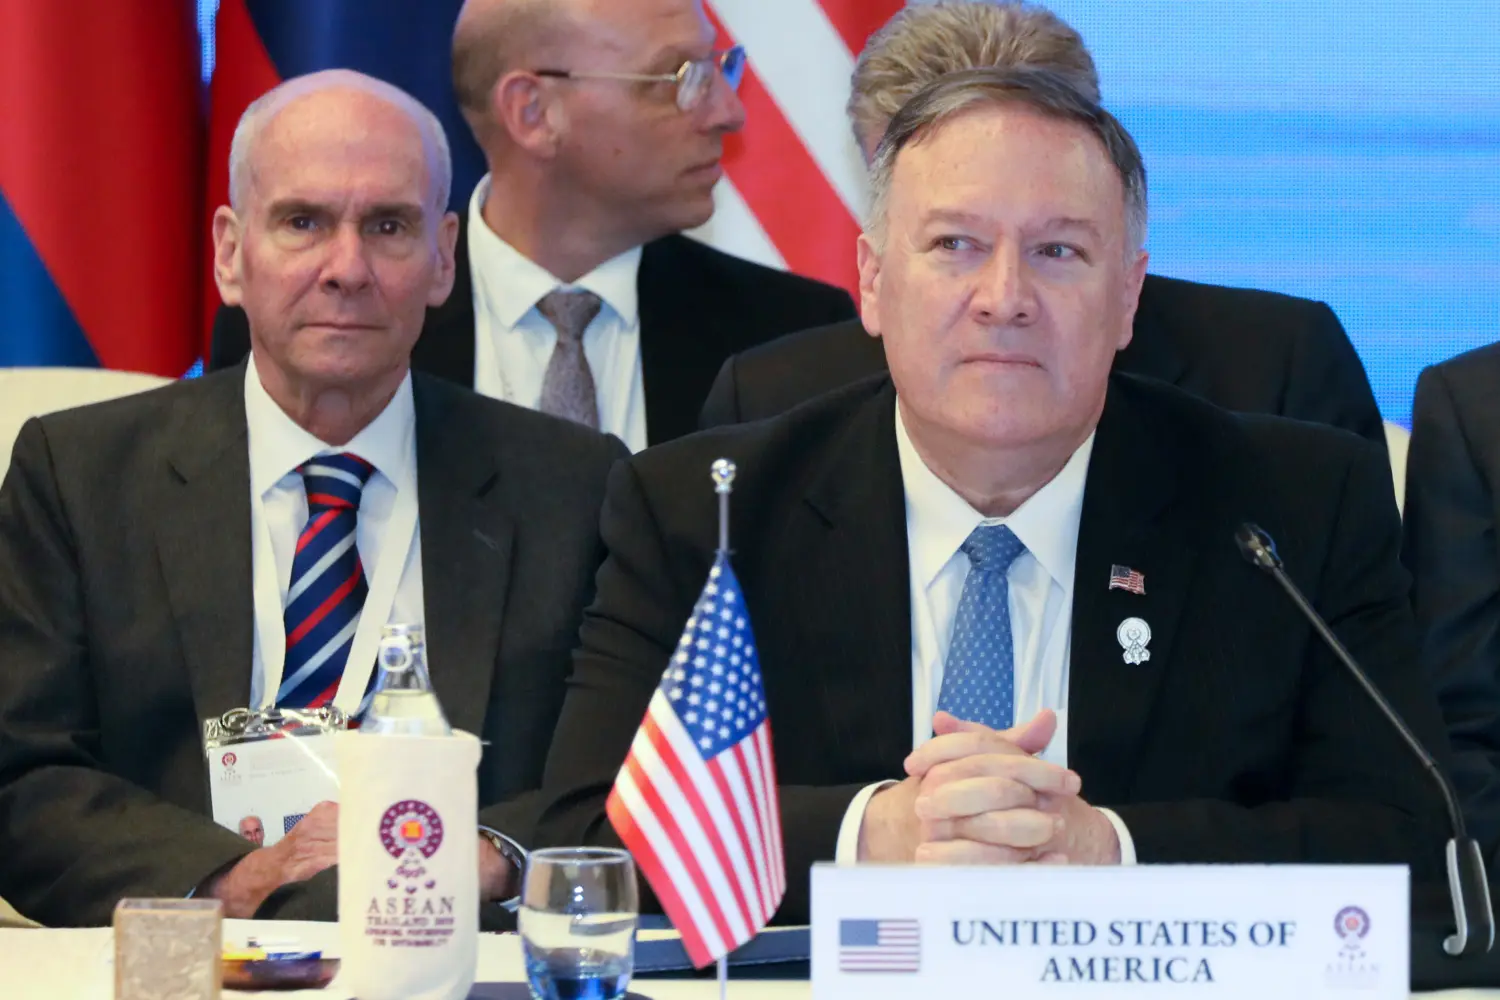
[
  {"x": 696, "y": 801},
  {"x": 100, "y": 193},
  {"x": 260, "y": 43}
]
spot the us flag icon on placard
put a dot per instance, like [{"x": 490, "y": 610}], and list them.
[
  {"x": 880, "y": 946},
  {"x": 289, "y": 821}
]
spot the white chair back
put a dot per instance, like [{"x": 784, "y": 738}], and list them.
[
  {"x": 1398, "y": 443},
  {"x": 10, "y": 918},
  {"x": 31, "y": 392}
]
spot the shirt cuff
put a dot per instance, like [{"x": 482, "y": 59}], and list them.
[
  {"x": 1127, "y": 843},
  {"x": 847, "y": 850},
  {"x": 512, "y": 852}
]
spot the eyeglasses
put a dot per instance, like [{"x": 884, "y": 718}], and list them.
[{"x": 693, "y": 78}]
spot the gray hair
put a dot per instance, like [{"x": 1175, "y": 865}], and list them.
[
  {"x": 924, "y": 42},
  {"x": 265, "y": 107},
  {"x": 1050, "y": 94}
]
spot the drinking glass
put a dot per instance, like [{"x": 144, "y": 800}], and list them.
[{"x": 577, "y": 922}]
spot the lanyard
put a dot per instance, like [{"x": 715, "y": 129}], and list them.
[{"x": 395, "y": 552}]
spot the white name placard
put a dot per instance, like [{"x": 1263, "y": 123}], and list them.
[{"x": 1230, "y": 931}]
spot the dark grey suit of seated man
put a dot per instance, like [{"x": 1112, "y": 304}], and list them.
[
  {"x": 1453, "y": 551},
  {"x": 1244, "y": 350},
  {"x": 997, "y": 599},
  {"x": 127, "y": 553}
]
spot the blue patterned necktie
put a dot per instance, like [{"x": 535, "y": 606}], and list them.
[
  {"x": 979, "y": 679},
  {"x": 328, "y": 585}
]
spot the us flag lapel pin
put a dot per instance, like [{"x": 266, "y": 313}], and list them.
[{"x": 1125, "y": 578}]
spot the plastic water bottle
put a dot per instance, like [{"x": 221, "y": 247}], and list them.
[
  {"x": 408, "y": 838},
  {"x": 403, "y": 702}
]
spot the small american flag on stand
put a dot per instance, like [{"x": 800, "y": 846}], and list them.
[
  {"x": 696, "y": 801},
  {"x": 1125, "y": 578}
]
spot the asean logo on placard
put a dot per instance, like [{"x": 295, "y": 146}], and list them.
[
  {"x": 1352, "y": 924},
  {"x": 411, "y": 831},
  {"x": 229, "y": 760},
  {"x": 1352, "y": 969}
]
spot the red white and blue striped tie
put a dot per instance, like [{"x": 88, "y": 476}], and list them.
[{"x": 328, "y": 586}]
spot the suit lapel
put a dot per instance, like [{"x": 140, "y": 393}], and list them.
[
  {"x": 446, "y": 346},
  {"x": 680, "y": 352},
  {"x": 857, "y": 572},
  {"x": 1151, "y": 351},
  {"x": 1132, "y": 486},
  {"x": 206, "y": 568},
  {"x": 467, "y": 536}
]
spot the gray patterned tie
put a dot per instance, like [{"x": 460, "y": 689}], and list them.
[{"x": 568, "y": 386}]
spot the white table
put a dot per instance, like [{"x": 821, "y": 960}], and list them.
[{"x": 78, "y": 965}]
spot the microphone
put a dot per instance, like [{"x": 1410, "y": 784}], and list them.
[{"x": 1468, "y": 885}]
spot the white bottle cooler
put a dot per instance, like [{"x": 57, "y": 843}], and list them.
[{"x": 408, "y": 865}]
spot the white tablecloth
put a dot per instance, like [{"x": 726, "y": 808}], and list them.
[{"x": 78, "y": 965}]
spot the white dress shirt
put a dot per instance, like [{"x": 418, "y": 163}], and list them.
[
  {"x": 513, "y": 341},
  {"x": 1040, "y": 581},
  {"x": 278, "y": 513},
  {"x": 388, "y": 528}
]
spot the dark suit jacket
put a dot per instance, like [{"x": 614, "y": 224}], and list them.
[
  {"x": 1240, "y": 740},
  {"x": 1248, "y": 351},
  {"x": 126, "y": 617},
  {"x": 1453, "y": 551},
  {"x": 698, "y": 306}
]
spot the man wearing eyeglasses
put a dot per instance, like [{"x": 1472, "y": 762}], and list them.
[{"x": 602, "y": 123}]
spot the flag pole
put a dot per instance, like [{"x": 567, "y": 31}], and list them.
[{"x": 723, "y": 473}]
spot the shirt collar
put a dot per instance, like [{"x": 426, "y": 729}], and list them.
[
  {"x": 512, "y": 283},
  {"x": 278, "y": 446},
  {"x": 938, "y": 519}
]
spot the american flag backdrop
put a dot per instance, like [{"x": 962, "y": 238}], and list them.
[
  {"x": 695, "y": 801},
  {"x": 794, "y": 187}
]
